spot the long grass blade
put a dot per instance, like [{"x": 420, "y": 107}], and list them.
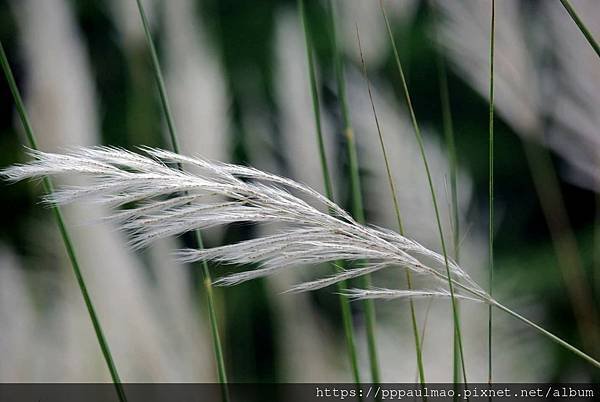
[
  {"x": 392, "y": 185},
  {"x": 491, "y": 187},
  {"x": 448, "y": 128},
  {"x": 64, "y": 233},
  {"x": 344, "y": 303},
  {"x": 419, "y": 139},
  {"x": 207, "y": 281},
  {"x": 584, "y": 30}
]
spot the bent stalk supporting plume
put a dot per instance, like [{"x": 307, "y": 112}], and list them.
[{"x": 119, "y": 177}]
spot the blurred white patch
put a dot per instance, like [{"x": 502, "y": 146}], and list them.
[
  {"x": 465, "y": 34},
  {"x": 196, "y": 88},
  {"x": 576, "y": 92},
  {"x": 146, "y": 347},
  {"x": 299, "y": 139},
  {"x": 128, "y": 21},
  {"x": 373, "y": 32}
]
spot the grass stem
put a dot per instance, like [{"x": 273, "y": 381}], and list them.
[
  {"x": 548, "y": 334},
  {"x": 491, "y": 187},
  {"x": 584, "y": 30},
  {"x": 392, "y": 185},
  {"x": 419, "y": 139},
  {"x": 64, "y": 233},
  {"x": 448, "y": 128},
  {"x": 530, "y": 323},
  {"x": 207, "y": 281},
  {"x": 344, "y": 303}
]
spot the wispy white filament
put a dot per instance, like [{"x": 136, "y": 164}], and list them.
[
  {"x": 391, "y": 294},
  {"x": 168, "y": 201}
]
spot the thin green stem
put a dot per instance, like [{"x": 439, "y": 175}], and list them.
[
  {"x": 396, "y": 210},
  {"x": 48, "y": 188},
  {"x": 448, "y": 128},
  {"x": 491, "y": 186},
  {"x": 207, "y": 281},
  {"x": 357, "y": 201},
  {"x": 419, "y": 139},
  {"x": 548, "y": 334},
  {"x": 487, "y": 299},
  {"x": 584, "y": 30},
  {"x": 344, "y": 303}
]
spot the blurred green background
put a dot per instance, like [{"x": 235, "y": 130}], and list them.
[{"x": 241, "y": 38}]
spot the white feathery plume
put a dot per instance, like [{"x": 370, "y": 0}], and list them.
[
  {"x": 311, "y": 236},
  {"x": 391, "y": 294}
]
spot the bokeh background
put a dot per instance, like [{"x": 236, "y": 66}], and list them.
[{"x": 237, "y": 79}]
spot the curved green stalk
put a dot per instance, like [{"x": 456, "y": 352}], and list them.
[
  {"x": 491, "y": 187},
  {"x": 207, "y": 281},
  {"x": 344, "y": 303},
  {"x": 584, "y": 30},
  {"x": 419, "y": 139},
  {"x": 397, "y": 213},
  {"x": 64, "y": 233}
]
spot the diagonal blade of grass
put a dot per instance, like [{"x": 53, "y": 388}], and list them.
[
  {"x": 419, "y": 138},
  {"x": 584, "y": 30},
  {"x": 396, "y": 211},
  {"x": 344, "y": 303},
  {"x": 533, "y": 325},
  {"x": 207, "y": 281},
  {"x": 48, "y": 188},
  {"x": 491, "y": 187}
]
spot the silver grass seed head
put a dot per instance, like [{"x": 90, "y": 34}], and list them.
[{"x": 167, "y": 201}]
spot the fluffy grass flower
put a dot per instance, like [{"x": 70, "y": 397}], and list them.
[
  {"x": 165, "y": 201},
  {"x": 168, "y": 201}
]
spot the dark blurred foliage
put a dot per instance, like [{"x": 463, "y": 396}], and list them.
[{"x": 243, "y": 33}]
